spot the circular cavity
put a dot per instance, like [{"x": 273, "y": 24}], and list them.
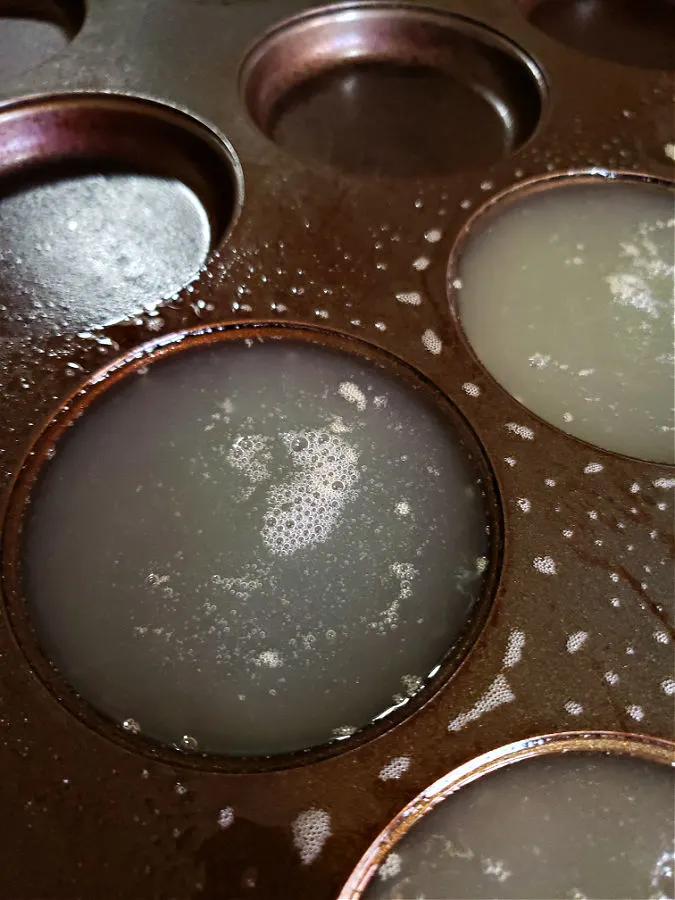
[
  {"x": 632, "y": 32},
  {"x": 575, "y": 817},
  {"x": 392, "y": 90},
  {"x": 107, "y": 206},
  {"x": 565, "y": 291},
  {"x": 260, "y": 544},
  {"x": 33, "y": 31}
]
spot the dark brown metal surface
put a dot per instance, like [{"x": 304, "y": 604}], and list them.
[{"x": 88, "y": 815}]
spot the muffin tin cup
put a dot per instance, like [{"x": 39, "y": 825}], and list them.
[
  {"x": 117, "y": 374},
  {"x": 606, "y": 744},
  {"x": 309, "y": 245}
]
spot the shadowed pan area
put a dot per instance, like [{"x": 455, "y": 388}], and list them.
[
  {"x": 632, "y": 32},
  {"x": 33, "y": 31}
]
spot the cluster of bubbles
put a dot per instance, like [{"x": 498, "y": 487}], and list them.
[
  {"x": 304, "y": 510},
  {"x": 311, "y": 830},
  {"x": 250, "y": 454},
  {"x": 496, "y": 695}
]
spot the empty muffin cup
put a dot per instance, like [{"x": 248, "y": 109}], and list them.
[
  {"x": 108, "y": 206},
  {"x": 392, "y": 90}
]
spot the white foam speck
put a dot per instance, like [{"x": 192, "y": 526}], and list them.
[
  {"x": 339, "y": 426},
  {"x": 421, "y": 263},
  {"x": 661, "y": 637},
  {"x": 270, "y": 659},
  {"x": 574, "y": 708},
  {"x": 664, "y": 483},
  {"x": 352, "y": 393},
  {"x": 402, "y": 508},
  {"x": 514, "y": 649},
  {"x": 131, "y": 725},
  {"x": 411, "y": 298},
  {"x": 496, "y": 869},
  {"x": 471, "y": 389},
  {"x": 668, "y": 686},
  {"x": 592, "y": 468},
  {"x": 539, "y": 360},
  {"x": 669, "y": 150},
  {"x": 395, "y": 768},
  {"x": 432, "y": 342},
  {"x": 611, "y": 678},
  {"x": 311, "y": 830},
  {"x": 496, "y": 695},
  {"x": 433, "y": 236},
  {"x": 635, "y": 712},
  {"x": 521, "y": 430},
  {"x": 250, "y": 454},
  {"x": 524, "y": 505},
  {"x": 576, "y": 641},
  {"x": 405, "y": 573},
  {"x": 510, "y": 460},
  {"x": 545, "y": 564},
  {"x": 391, "y": 867},
  {"x": 225, "y": 817},
  {"x": 568, "y": 532}
]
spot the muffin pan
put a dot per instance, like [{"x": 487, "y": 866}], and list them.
[{"x": 192, "y": 175}]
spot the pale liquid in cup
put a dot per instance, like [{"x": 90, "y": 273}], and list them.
[
  {"x": 567, "y": 297},
  {"x": 573, "y": 826},
  {"x": 255, "y": 547}
]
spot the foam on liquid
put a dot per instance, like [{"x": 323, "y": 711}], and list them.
[
  {"x": 242, "y": 555},
  {"x": 567, "y": 297}
]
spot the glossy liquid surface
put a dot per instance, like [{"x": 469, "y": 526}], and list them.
[
  {"x": 255, "y": 547},
  {"x": 573, "y": 826},
  {"x": 567, "y": 297}
]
